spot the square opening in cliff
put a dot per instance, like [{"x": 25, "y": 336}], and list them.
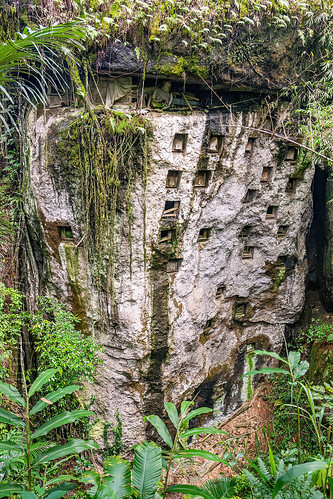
[
  {"x": 65, "y": 232},
  {"x": 171, "y": 210},
  {"x": 166, "y": 236},
  {"x": 250, "y": 196},
  {"x": 201, "y": 178},
  {"x": 173, "y": 266},
  {"x": 291, "y": 185},
  {"x": 204, "y": 235},
  {"x": 271, "y": 212},
  {"x": 250, "y": 144},
  {"x": 282, "y": 232},
  {"x": 247, "y": 252},
  {"x": 173, "y": 179},
  {"x": 215, "y": 144},
  {"x": 266, "y": 174},
  {"x": 292, "y": 153},
  {"x": 179, "y": 142}
]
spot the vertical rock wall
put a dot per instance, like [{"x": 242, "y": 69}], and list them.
[{"x": 218, "y": 256}]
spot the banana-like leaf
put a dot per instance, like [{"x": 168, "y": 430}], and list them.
[
  {"x": 172, "y": 413},
  {"x": 11, "y": 392},
  {"x": 119, "y": 476},
  {"x": 10, "y": 488},
  {"x": 105, "y": 492},
  {"x": 198, "y": 431},
  {"x": 161, "y": 429},
  {"x": 187, "y": 453},
  {"x": 190, "y": 490},
  {"x": 60, "y": 420},
  {"x": 74, "y": 446},
  {"x": 295, "y": 472},
  {"x": 10, "y": 418},
  {"x": 53, "y": 397},
  {"x": 270, "y": 354},
  {"x": 147, "y": 468},
  {"x": 330, "y": 484},
  {"x": 294, "y": 358},
  {"x": 28, "y": 495},
  {"x": 61, "y": 491},
  {"x": 41, "y": 380},
  {"x": 60, "y": 478},
  {"x": 197, "y": 412},
  {"x": 11, "y": 446}
]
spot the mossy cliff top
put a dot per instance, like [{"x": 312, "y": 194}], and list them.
[{"x": 257, "y": 43}]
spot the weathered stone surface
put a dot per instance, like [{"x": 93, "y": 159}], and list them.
[{"x": 170, "y": 335}]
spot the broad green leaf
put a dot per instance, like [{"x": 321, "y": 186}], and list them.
[
  {"x": 301, "y": 369},
  {"x": 60, "y": 491},
  {"x": 105, "y": 492},
  {"x": 147, "y": 468},
  {"x": 59, "y": 479},
  {"x": 190, "y": 490},
  {"x": 270, "y": 354},
  {"x": 185, "y": 405},
  {"x": 197, "y": 412},
  {"x": 119, "y": 476},
  {"x": 60, "y": 420},
  {"x": 53, "y": 397},
  {"x": 330, "y": 484},
  {"x": 10, "y": 488},
  {"x": 172, "y": 413},
  {"x": 200, "y": 453},
  {"x": 10, "y": 418},
  {"x": 267, "y": 370},
  {"x": 41, "y": 380},
  {"x": 11, "y": 392},
  {"x": 74, "y": 446},
  {"x": 294, "y": 358},
  {"x": 28, "y": 495},
  {"x": 198, "y": 431},
  {"x": 91, "y": 478},
  {"x": 162, "y": 430},
  {"x": 11, "y": 446},
  {"x": 296, "y": 471}
]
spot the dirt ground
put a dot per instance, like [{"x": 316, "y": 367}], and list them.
[{"x": 242, "y": 428}]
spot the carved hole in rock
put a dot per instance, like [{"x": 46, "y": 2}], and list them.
[
  {"x": 173, "y": 179},
  {"x": 291, "y": 185},
  {"x": 166, "y": 236},
  {"x": 173, "y": 265},
  {"x": 208, "y": 326},
  {"x": 203, "y": 235},
  {"x": 215, "y": 143},
  {"x": 65, "y": 232},
  {"x": 179, "y": 142},
  {"x": 171, "y": 210},
  {"x": 282, "y": 231},
  {"x": 240, "y": 311},
  {"x": 55, "y": 98},
  {"x": 266, "y": 174},
  {"x": 201, "y": 178},
  {"x": 271, "y": 212},
  {"x": 292, "y": 153},
  {"x": 219, "y": 292},
  {"x": 247, "y": 252},
  {"x": 250, "y": 144},
  {"x": 250, "y": 195},
  {"x": 245, "y": 232},
  {"x": 281, "y": 262}
]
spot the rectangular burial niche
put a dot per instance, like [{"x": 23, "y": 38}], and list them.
[
  {"x": 219, "y": 291},
  {"x": 247, "y": 252},
  {"x": 173, "y": 179},
  {"x": 166, "y": 236},
  {"x": 171, "y": 210},
  {"x": 281, "y": 262},
  {"x": 203, "y": 235},
  {"x": 215, "y": 144},
  {"x": 266, "y": 174},
  {"x": 271, "y": 212},
  {"x": 65, "y": 232},
  {"x": 240, "y": 311},
  {"x": 292, "y": 153},
  {"x": 245, "y": 232},
  {"x": 201, "y": 178},
  {"x": 282, "y": 232},
  {"x": 250, "y": 144},
  {"x": 179, "y": 142},
  {"x": 291, "y": 185},
  {"x": 250, "y": 195},
  {"x": 173, "y": 266}
]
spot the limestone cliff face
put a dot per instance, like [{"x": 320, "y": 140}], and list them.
[{"x": 215, "y": 262}]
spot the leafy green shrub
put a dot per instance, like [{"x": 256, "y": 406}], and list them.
[
  {"x": 11, "y": 322},
  {"x": 317, "y": 331},
  {"x": 58, "y": 344}
]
